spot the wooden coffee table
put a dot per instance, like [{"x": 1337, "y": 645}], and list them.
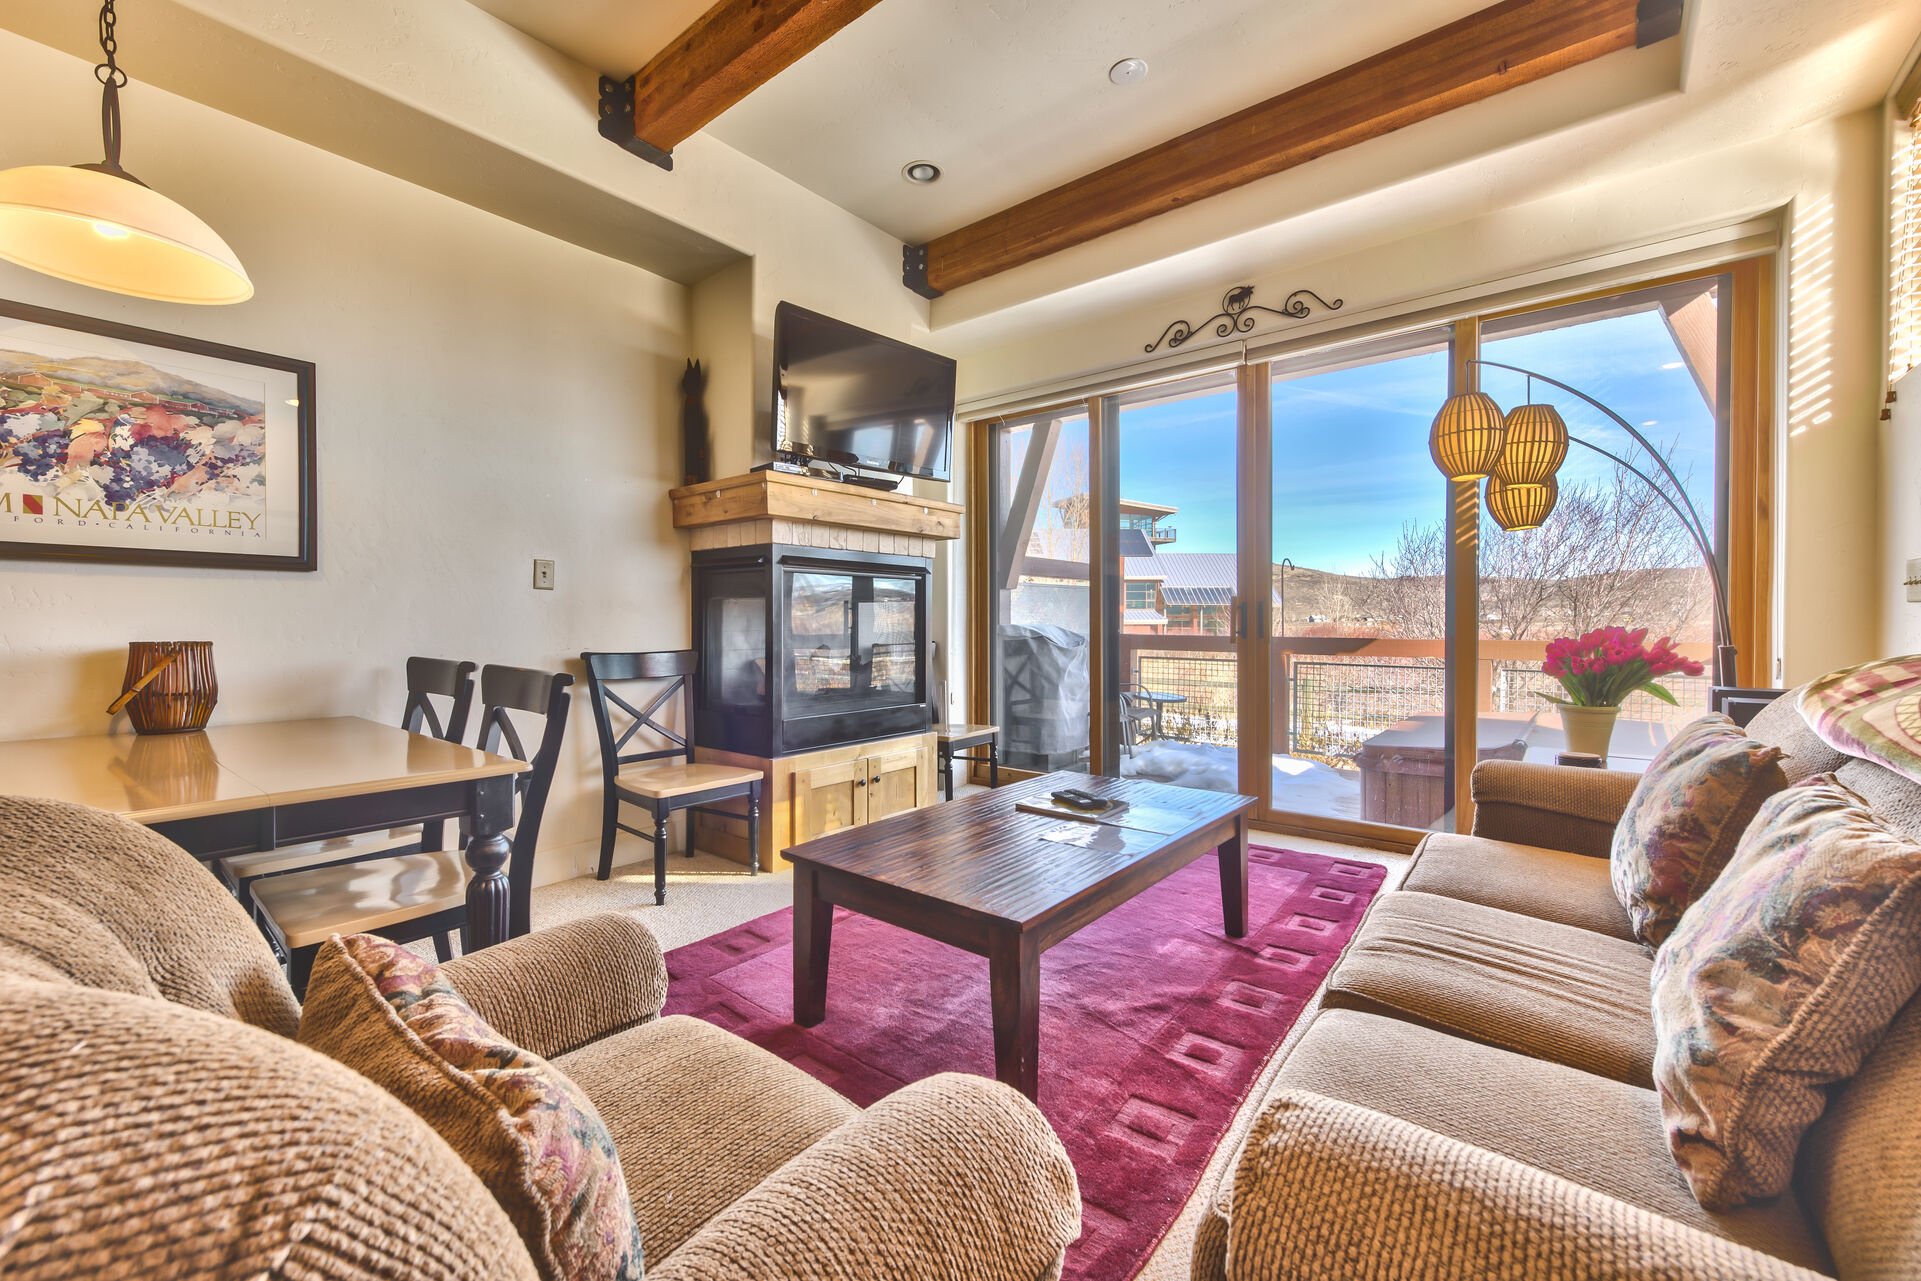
[{"x": 978, "y": 874}]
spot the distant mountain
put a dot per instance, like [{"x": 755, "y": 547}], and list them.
[{"x": 104, "y": 373}]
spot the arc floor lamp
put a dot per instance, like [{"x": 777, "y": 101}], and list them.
[{"x": 1518, "y": 455}]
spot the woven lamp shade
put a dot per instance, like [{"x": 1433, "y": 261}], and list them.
[
  {"x": 1519, "y": 507},
  {"x": 1536, "y": 445},
  {"x": 1467, "y": 436}
]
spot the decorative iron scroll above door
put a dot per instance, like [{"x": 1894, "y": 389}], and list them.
[{"x": 1237, "y": 315}]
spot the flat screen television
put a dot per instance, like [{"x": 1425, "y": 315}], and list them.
[{"x": 846, "y": 396}]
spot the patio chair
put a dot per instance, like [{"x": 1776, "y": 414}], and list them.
[{"x": 1137, "y": 717}]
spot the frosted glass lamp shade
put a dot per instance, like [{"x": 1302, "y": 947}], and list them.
[
  {"x": 1536, "y": 445},
  {"x": 1467, "y": 436},
  {"x": 1521, "y": 507},
  {"x": 100, "y": 229}
]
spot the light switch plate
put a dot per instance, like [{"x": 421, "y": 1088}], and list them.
[
  {"x": 1914, "y": 580},
  {"x": 543, "y": 575}
]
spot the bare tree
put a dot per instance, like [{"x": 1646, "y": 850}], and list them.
[
  {"x": 1408, "y": 594},
  {"x": 1611, "y": 553}
]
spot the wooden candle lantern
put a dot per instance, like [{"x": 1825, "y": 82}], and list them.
[{"x": 169, "y": 687}]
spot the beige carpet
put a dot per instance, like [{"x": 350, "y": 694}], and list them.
[{"x": 707, "y": 894}]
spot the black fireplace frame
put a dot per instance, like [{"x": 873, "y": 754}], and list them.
[{"x": 769, "y": 731}]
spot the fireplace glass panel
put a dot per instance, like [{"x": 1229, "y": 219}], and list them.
[
  {"x": 736, "y": 642},
  {"x": 820, "y": 639},
  {"x": 851, "y": 642},
  {"x": 889, "y": 621}
]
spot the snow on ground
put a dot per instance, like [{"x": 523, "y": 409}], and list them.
[{"x": 1304, "y": 786}]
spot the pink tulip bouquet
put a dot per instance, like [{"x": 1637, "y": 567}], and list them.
[{"x": 1607, "y": 664}]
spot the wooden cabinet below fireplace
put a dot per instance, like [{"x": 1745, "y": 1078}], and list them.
[{"x": 814, "y": 793}]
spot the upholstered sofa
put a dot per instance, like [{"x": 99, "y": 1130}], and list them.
[
  {"x": 158, "y": 1121},
  {"x": 1476, "y": 1099}
]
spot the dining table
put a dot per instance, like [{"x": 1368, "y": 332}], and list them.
[{"x": 234, "y": 789}]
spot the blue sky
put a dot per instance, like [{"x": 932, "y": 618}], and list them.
[{"x": 1350, "y": 447}]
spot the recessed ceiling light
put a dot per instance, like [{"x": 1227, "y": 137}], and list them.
[
  {"x": 921, "y": 171},
  {"x": 1128, "y": 71}
]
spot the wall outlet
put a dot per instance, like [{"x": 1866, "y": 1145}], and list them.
[{"x": 543, "y": 575}]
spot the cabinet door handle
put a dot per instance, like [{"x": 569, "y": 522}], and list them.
[
  {"x": 860, "y": 782},
  {"x": 874, "y": 779}
]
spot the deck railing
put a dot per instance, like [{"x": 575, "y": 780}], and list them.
[{"x": 1333, "y": 693}]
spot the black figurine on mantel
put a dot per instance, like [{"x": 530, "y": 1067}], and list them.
[{"x": 696, "y": 450}]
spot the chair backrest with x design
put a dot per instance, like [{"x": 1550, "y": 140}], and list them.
[
  {"x": 430, "y": 678},
  {"x": 521, "y": 689},
  {"x": 673, "y": 671}
]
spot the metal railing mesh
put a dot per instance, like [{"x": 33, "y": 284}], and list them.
[
  {"x": 1338, "y": 705},
  {"x": 1210, "y": 714},
  {"x": 1517, "y": 687}
]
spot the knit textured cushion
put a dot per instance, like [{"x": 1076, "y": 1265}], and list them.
[
  {"x": 1778, "y": 983},
  {"x": 527, "y": 1131},
  {"x": 1685, "y": 818},
  {"x": 103, "y": 901}
]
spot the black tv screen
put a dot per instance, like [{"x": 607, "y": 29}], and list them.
[{"x": 847, "y": 396}]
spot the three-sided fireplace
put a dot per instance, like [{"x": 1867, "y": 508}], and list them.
[{"x": 808, "y": 647}]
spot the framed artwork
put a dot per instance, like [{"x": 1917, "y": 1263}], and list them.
[{"x": 133, "y": 446}]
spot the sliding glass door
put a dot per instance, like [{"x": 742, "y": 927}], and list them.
[
  {"x": 1259, "y": 581},
  {"x": 1042, "y": 605},
  {"x": 1175, "y": 543},
  {"x": 1622, "y": 545},
  {"x": 1358, "y": 671}
]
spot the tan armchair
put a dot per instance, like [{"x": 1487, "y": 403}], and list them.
[{"x": 160, "y": 1122}]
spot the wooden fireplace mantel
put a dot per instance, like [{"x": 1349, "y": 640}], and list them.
[{"x": 778, "y": 496}]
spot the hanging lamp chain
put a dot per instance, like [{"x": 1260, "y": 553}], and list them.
[{"x": 112, "y": 79}]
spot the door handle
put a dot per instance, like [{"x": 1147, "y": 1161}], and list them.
[{"x": 1239, "y": 625}]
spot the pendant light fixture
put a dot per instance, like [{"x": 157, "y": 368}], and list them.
[
  {"x": 1467, "y": 436},
  {"x": 99, "y": 225},
  {"x": 1521, "y": 507},
  {"x": 1536, "y": 445}
]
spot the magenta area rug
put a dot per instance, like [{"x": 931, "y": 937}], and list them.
[{"x": 1153, "y": 1023}]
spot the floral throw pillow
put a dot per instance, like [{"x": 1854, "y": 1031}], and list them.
[
  {"x": 1686, "y": 816},
  {"x": 1778, "y": 983},
  {"x": 526, "y": 1130}
]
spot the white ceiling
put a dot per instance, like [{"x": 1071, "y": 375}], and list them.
[{"x": 1009, "y": 97}]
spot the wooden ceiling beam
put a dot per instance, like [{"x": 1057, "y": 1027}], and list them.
[
  {"x": 1496, "y": 49},
  {"x": 736, "y": 47}
]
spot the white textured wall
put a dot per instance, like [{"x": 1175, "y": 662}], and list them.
[{"x": 486, "y": 395}]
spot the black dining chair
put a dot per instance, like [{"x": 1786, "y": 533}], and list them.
[
  {"x": 424, "y": 894},
  {"x": 651, "y": 779},
  {"x": 428, "y": 679}
]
